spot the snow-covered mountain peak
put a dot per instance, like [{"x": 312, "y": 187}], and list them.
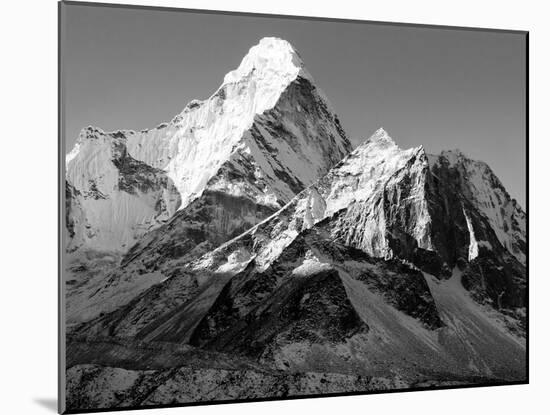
[
  {"x": 264, "y": 135},
  {"x": 379, "y": 139},
  {"x": 90, "y": 140},
  {"x": 271, "y": 60},
  {"x": 379, "y": 148},
  {"x": 381, "y": 135},
  {"x": 353, "y": 194},
  {"x": 368, "y": 169}
]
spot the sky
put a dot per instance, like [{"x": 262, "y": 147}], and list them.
[{"x": 441, "y": 88}]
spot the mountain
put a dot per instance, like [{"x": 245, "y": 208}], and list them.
[
  {"x": 389, "y": 270},
  {"x": 243, "y": 250},
  {"x": 265, "y": 134},
  {"x": 219, "y": 167},
  {"x": 391, "y": 203}
]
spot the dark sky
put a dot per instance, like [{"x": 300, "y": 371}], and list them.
[{"x": 133, "y": 69}]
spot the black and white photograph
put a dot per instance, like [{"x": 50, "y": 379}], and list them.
[{"x": 264, "y": 207}]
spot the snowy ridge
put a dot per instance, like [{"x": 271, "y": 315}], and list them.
[
  {"x": 379, "y": 200},
  {"x": 353, "y": 187},
  {"x": 274, "y": 63}
]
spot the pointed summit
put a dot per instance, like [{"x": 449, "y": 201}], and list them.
[
  {"x": 273, "y": 60},
  {"x": 378, "y": 145},
  {"x": 381, "y": 137},
  {"x": 381, "y": 132}
]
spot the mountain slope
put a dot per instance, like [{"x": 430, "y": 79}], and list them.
[{"x": 321, "y": 308}]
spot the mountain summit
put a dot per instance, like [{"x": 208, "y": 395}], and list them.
[{"x": 274, "y": 63}]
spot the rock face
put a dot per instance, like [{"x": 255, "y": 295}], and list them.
[
  {"x": 479, "y": 188},
  {"x": 280, "y": 262},
  {"x": 264, "y": 135}
]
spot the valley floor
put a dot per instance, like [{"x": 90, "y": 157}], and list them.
[
  {"x": 474, "y": 347},
  {"x": 210, "y": 377}
]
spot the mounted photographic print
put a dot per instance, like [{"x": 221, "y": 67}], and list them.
[{"x": 259, "y": 207}]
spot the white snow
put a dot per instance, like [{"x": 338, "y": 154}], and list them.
[
  {"x": 72, "y": 154},
  {"x": 105, "y": 218},
  {"x": 473, "y": 249},
  {"x": 236, "y": 262},
  {"x": 311, "y": 264},
  {"x": 366, "y": 171},
  {"x": 274, "y": 63}
]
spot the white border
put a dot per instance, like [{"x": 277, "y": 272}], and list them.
[{"x": 29, "y": 203}]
